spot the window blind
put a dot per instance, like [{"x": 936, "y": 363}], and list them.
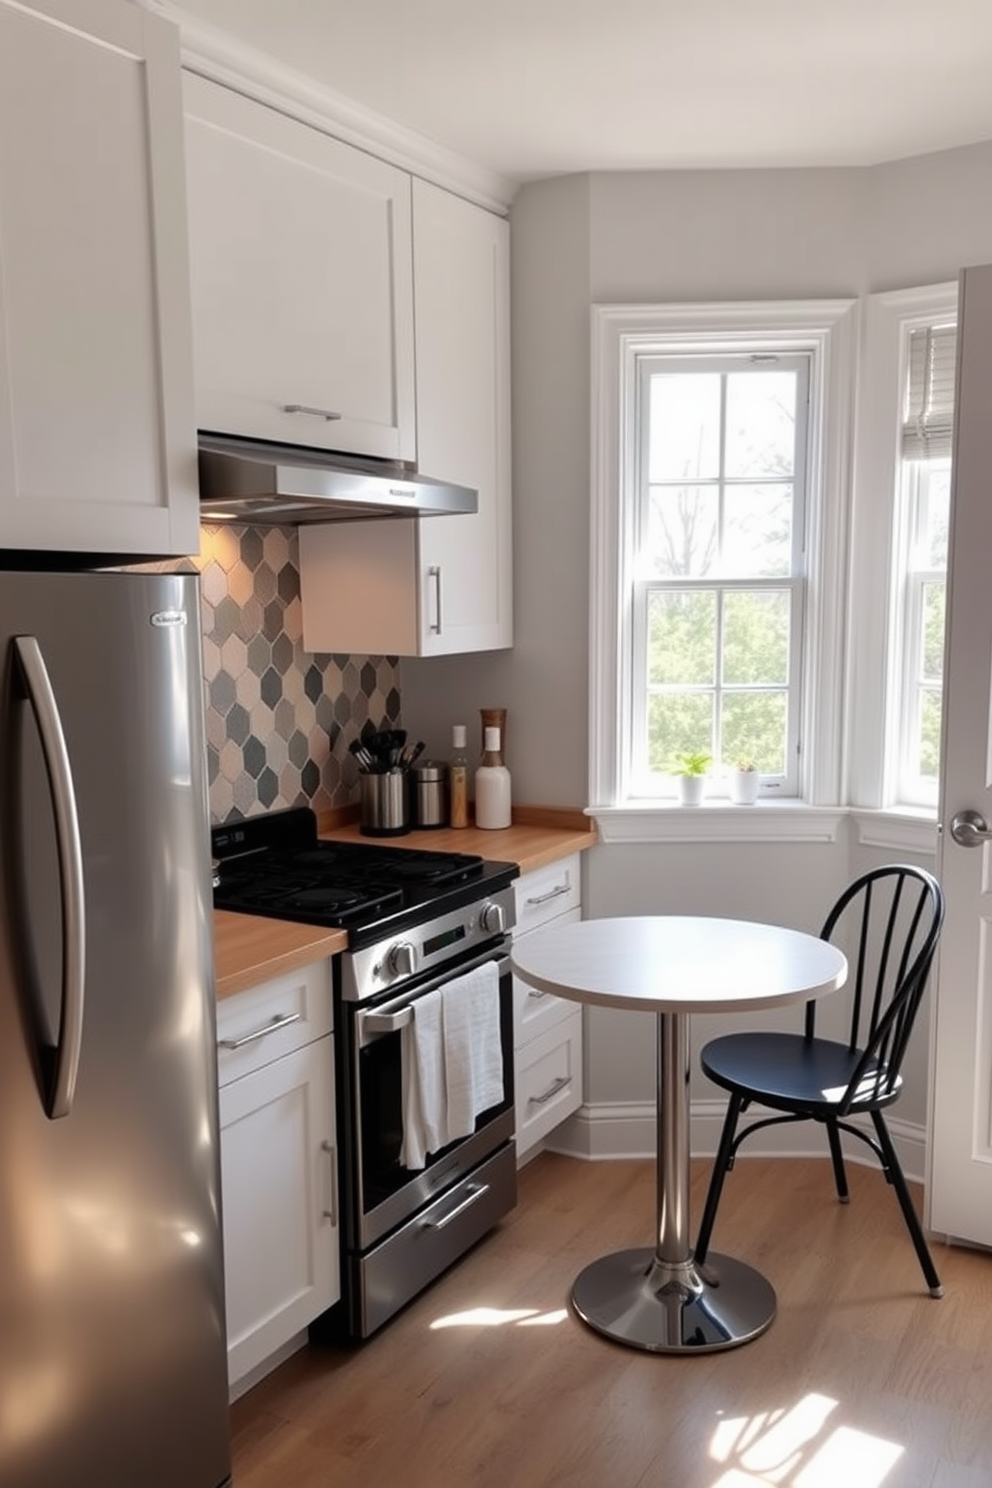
[{"x": 928, "y": 414}]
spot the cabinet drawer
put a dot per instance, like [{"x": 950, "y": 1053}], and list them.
[
  {"x": 534, "y": 1012},
  {"x": 549, "y": 1080},
  {"x": 548, "y": 892},
  {"x": 272, "y": 1019}
]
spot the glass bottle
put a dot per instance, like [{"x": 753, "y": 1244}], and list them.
[
  {"x": 492, "y": 786},
  {"x": 458, "y": 779}
]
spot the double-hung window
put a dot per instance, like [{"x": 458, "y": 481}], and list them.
[
  {"x": 923, "y": 504},
  {"x": 720, "y": 479},
  {"x": 718, "y": 591}
]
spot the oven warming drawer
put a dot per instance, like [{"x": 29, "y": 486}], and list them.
[{"x": 393, "y": 1272}]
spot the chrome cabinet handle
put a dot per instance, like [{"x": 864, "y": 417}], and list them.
[
  {"x": 476, "y": 1191},
  {"x": 434, "y": 572},
  {"x": 331, "y": 1150},
  {"x": 970, "y": 829},
  {"x": 324, "y": 413},
  {"x": 555, "y": 893},
  {"x": 559, "y": 1084},
  {"x": 38, "y": 687},
  {"x": 282, "y": 1020}
]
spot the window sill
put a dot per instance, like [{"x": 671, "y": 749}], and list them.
[
  {"x": 719, "y": 821},
  {"x": 905, "y": 830}
]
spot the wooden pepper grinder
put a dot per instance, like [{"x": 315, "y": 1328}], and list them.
[{"x": 494, "y": 718}]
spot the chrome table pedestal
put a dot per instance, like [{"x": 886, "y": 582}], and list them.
[{"x": 659, "y": 1299}]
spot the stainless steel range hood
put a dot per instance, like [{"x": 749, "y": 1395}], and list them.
[{"x": 244, "y": 480}]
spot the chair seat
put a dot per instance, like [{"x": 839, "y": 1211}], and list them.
[{"x": 789, "y": 1072}]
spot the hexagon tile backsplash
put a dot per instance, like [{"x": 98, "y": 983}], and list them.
[{"x": 279, "y": 719}]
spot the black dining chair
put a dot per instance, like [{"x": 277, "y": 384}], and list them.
[{"x": 887, "y": 923}]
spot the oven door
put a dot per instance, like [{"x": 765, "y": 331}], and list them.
[{"x": 381, "y": 1192}]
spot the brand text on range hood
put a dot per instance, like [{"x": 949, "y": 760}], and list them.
[{"x": 243, "y": 480}]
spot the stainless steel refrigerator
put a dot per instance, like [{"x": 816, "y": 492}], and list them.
[{"x": 112, "y": 1341}]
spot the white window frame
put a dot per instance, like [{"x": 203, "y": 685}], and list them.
[
  {"x": 621, "y": 335},
  {"x": 639, "y": 782},
  {"x": 878, "y": 565}
]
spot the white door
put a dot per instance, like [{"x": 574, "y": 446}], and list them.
[{"x": 960, "y": 1185}]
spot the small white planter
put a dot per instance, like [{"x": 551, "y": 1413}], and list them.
[
  {"x": 744, "y": 787},
  {"x": 691, "y": 789}
]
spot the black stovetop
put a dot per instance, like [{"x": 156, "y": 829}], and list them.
[{"x": 275, "y": 865}]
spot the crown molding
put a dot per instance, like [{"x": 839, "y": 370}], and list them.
[{"x": 222, "y": 58}]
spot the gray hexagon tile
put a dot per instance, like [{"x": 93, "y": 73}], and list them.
[{"x": 279, "y": 719}]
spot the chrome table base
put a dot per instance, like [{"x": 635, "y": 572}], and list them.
[{"x": 637, "y": 1299}]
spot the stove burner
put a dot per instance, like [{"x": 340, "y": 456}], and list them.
[{"x": 276, "y": 865}]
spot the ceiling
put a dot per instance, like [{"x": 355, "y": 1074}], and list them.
[{"x": 535, "y": 88}]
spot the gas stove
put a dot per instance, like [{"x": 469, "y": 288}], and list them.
[{"x": 275, "y": 865}]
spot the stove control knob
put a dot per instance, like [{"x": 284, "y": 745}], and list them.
[
  {"x": 492, "y": 919},
  {"x": 402, "y": 959}
]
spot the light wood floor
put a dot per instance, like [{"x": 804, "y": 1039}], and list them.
[{"x": 862, "y": 1381}]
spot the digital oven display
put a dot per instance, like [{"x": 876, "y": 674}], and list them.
[{"x": 444, "y": 940}]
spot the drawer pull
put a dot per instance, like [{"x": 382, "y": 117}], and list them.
[
  {"x": 331, "y": 1150},
  {"x": 562, "y": 1082},
  {"x": 537, "y": 994},
  {"x": 555, "y": 893},
  {"x": 282, "y": 1021},
  {"x": 476, "y": 1191},
  {"x": 324, "y": 413}
]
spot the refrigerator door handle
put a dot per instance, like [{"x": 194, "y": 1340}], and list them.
[{"x": 38, "y": 687}]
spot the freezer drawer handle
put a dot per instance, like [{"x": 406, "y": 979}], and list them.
[
  {"x": 38, "y": 687},
  {"x": 475, "y": 1191},
  {"x": 283, "y": 1020}
]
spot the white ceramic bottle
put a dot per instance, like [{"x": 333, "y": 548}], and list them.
[{"x": 492, "y": 786}]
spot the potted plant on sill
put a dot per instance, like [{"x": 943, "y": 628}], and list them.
[
  {"x": 744, "y": 780},
  {"x": 690, "y": 771}
]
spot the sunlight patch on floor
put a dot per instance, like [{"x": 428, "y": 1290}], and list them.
[
  {"x": 799, "y": 1448},
  {"x": 498, "y": 1317}
]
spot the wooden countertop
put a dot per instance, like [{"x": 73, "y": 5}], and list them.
[{"x": 249, "y": 949}]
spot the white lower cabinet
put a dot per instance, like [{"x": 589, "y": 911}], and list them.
[
  {"x": 278, "y": 1165},
  {"x": 547, "y": 1030}
]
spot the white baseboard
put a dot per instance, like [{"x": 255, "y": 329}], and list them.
[{"x": 628, "y": 1129}]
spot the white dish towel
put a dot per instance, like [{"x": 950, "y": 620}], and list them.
[
  {"x": 424, "y": 1098},
  {"x": 473, "y": 1056}
]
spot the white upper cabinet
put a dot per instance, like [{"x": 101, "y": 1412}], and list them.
[
  {"x": 301, "y": 274},
  {"x": 97, "y": 436},
  {"x": 437, "y": 585}
]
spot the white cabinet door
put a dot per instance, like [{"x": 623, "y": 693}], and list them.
[
  {"x": 278, "y": 1171},
  {"x": 438, "y": 585},
  {"x": 547, "y": 1030},
  {"x": 97, "y": 437},
  {"x": 301, "y": 273},
  {"x": 462, "y": 295}
]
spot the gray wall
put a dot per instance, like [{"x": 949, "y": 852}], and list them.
[{"x": 669, "y": 237}]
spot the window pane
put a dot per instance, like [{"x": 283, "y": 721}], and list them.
[
  {"x": 682, "y": 531},
  {"x": 755, "y": 638},
  {"x": 754, "y": 727},
  {"x": 684, "y": 438},
  {"x": 757, "y": 532},
  {"x": 682, "y": 639},
  {"x": 929, "y": 735},
  {"x": 678, "y": 723},
  {"x": 938, "y": 501},
  {"x": 761, "y": 423},
  {"x": 933, "y": 632}
]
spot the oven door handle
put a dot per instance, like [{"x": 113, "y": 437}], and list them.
[{"x": 376, "y": 1023}]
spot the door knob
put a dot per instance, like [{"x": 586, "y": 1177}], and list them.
[{"x": 970, "y": 829}]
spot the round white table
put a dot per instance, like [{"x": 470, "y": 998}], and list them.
[{"x": 658, "y": 1299}]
